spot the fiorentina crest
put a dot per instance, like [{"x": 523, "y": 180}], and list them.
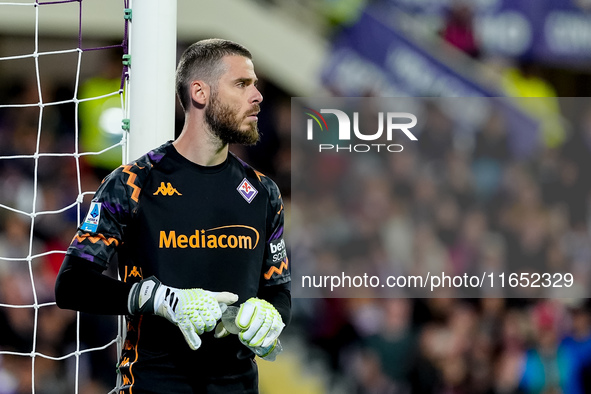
[{"x": 247, "y": 191}]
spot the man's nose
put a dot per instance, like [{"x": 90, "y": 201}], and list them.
[{"x": 256, "y": 97}]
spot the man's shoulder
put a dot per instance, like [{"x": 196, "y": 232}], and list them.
[
  {"x": 141, "y": 165},
  {"x": 151, "y": 159},
  {"x": 131, "y": 176}
]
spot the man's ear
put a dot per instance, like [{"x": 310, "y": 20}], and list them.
[{"x": 199, "y": 92}]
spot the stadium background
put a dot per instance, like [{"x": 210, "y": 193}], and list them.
[{"x": 362, "y": 345}]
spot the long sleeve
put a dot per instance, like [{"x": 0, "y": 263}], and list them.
[{"x": 81, "y": 286}]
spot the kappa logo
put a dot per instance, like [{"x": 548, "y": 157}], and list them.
[
  {"x": 247, "y": 191},
  {"x": 134, "y": 273},
  {"x": 166, "y": 190}
]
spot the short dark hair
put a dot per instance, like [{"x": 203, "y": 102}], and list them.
[{"x": 203, "y": 60}]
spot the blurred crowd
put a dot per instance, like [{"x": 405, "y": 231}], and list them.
[{"x": 455, "y": 202}]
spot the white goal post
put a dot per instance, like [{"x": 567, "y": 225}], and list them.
[{"x": 151, "y": 92}]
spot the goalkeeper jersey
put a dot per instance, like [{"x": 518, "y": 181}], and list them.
[{"x": 219, "y": 228}]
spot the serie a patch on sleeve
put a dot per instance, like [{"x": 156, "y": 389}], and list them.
[{"x": 92, "y": 218}]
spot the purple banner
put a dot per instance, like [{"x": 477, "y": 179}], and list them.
[
  {"x": 551, "y": 31},
  {"x": 371, "y": 58}
]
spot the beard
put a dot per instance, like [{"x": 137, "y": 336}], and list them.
[{"x": 225, "y": 123}]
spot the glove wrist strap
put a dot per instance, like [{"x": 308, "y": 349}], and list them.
[{"x": 141, "y": 298}]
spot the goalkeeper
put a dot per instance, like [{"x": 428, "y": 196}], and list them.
[{"x": 193, "y": 229}]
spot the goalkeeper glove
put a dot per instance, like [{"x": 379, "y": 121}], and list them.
[
  {"x": 228, "y": 326},
  {"x": 260, "y": 325},
  {"x": 194, "y": 311}
]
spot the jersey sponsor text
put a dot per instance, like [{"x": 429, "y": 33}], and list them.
[{"x": 202, "y": 240}]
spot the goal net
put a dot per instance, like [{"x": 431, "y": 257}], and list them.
[{"x": 62, "y": 106}]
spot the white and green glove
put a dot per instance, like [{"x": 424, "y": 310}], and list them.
[
  {"x": 194, "y": 311},
  {"x": 260, "y": 325}
]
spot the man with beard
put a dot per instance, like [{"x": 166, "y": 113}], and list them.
[{"x": 194, "y": 229}]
